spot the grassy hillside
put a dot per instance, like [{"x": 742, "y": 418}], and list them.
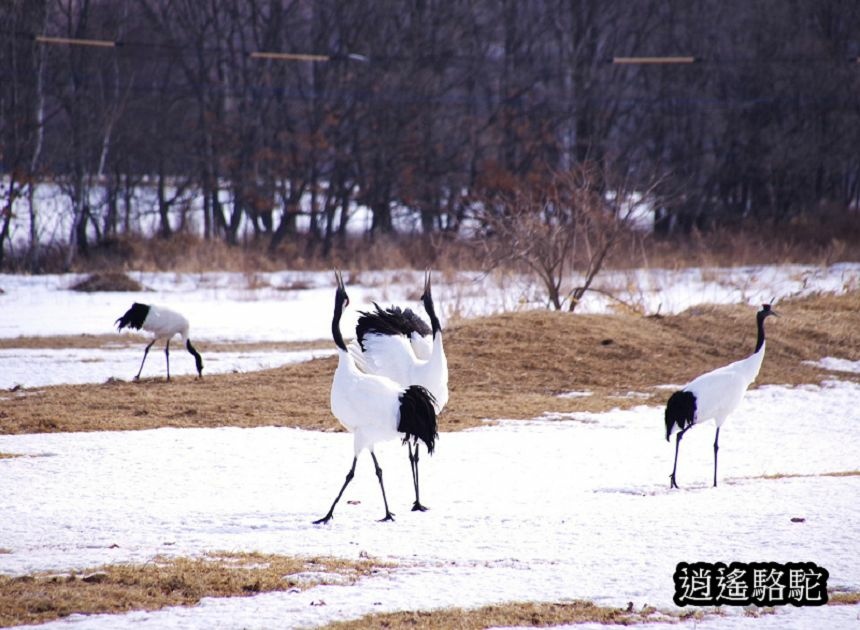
[{"x": 505, "y": 366}]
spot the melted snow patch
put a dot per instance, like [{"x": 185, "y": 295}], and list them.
[
  {"x": 575, "y": 394},
  {"x": 836, "y": 365},
  {"x": 48, "y": 366}
]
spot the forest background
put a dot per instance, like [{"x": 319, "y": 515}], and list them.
[{"x": 164, "y": 134}]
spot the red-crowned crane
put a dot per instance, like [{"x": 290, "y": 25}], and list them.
[
  {"x": 374, "y": 408},
  {"x": 715, "y": 395},
  {"x": 163, "y": 323},
  {"x": 393, "y": 343}
]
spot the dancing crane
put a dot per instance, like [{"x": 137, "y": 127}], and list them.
[
  {"x": 374, "y": 408},
  {"x": 392, "y": 343}
]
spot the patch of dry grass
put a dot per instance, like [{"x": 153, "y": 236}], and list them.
[
  {"x": 119, "y": 588},
  {"x": 538, "y": 615},
  {"x": 518, "y": 614},
  {"x": 512, "y": 365},
  {"x": 107, "y": 281},
  {"x": 822, "y": 237},
  {"x": 840, "y": 473},
  {"x": 137, "y": 340},
  {"x": 843, "y": 598},
  {"x": 69, "y": 341}
]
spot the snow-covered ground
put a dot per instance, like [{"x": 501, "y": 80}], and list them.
[
  {"x": 571, "y": 506},
  {"x": 837, "y": 365},
  {"x": 55, "y": 366},
  {"x": 574, "y": 507}
]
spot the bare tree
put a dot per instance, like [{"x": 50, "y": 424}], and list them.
[
  {"x": 565, "y": 221},
  {"x": 447, "y": 93},
  {"x": 22, "y": 114}
]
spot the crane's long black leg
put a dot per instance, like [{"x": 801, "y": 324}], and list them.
[
  {"x": 388, "y": 515},
  {"x": 675, "y": 467},
  {"x": 167, "y": 357},
  {"x": 716, "y": 448},
  {"x": 413, "y": 460},
  {"x": 349, "y": 476},
  {"x": 145, "y": 352}
]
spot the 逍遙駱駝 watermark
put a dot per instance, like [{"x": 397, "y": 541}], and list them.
[{"x": 745, "y": 583}]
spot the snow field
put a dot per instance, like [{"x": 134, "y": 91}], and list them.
[
  {"x": 542, "y": 510},
  {"x": 562, "y": 507}
]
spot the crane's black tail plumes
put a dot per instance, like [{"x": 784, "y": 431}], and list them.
[
  {"x": 408, "y": 321},
  {"x": 418, "y": 416},
  {"x": 134, "y": 317},
  {"x": 680, "y": 411},
  {"x": 391, "y": 321}
]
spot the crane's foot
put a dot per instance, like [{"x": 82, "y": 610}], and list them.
[
  {"x": 672, "y": 482},
  {"x": 417, "y": 507},
  {"x": 325, "y": 519},
  {"x": 389, "y": 516}
]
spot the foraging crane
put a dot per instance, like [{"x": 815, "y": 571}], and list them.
[
  {"x": 714, "y": 395},
  {"x": 393, "y": 343},
  {"x": 374, "y": 408},
  {"x": 164, "y": 323}
]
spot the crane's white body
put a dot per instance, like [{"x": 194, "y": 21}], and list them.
[
  {"x": 367, "y": 405},
  {"x": 719, "y": 392},
  {"x": 394, "y": 357},
  {"x": 164, "y": 323}
]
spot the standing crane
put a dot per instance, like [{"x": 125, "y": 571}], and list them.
[{"x": 714, "y": 394}]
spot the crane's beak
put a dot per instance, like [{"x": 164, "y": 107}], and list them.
[
  {"x": 339, "y": 277},
  {"x": 426, "y": 284}
]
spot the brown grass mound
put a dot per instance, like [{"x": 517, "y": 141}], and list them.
[
  {"x": 506, "y": 366},
  {"x": 108, "y": 281},
  {"x": 119, "y": 588}
]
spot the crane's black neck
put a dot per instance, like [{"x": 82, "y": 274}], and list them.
[
  {"x": 760, "y": 317},
  {"x": 197, "y": 358},
  {"x": 339, "y": 300},
  {"x": 431, "y": 313}
]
